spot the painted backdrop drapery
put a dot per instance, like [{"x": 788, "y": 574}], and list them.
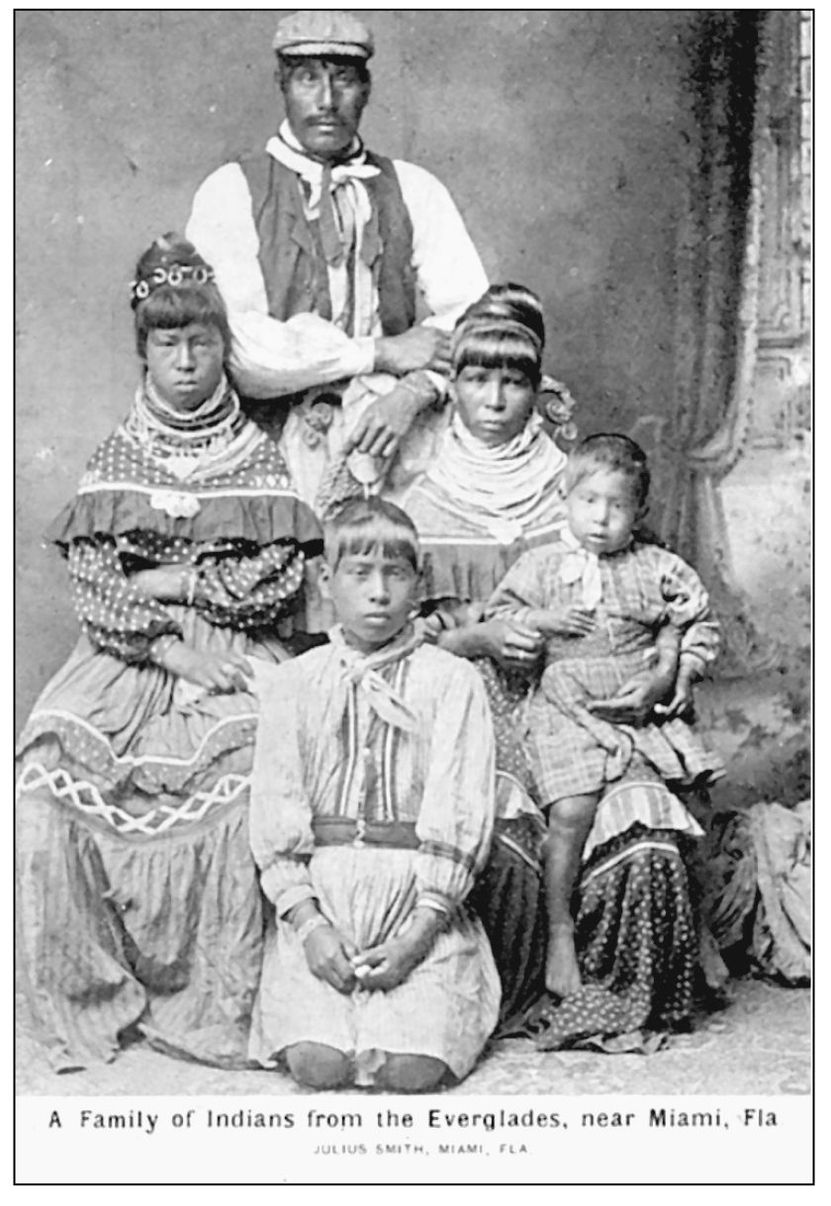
[{"x": 717, "y": 292}]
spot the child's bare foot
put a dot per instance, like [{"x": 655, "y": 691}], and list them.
[{"x": 562, "y": 973}]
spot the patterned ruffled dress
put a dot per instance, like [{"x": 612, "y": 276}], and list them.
[{"x": 139, "y": 903}]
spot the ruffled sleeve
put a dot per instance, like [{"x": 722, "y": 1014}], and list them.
[
  {"x": 457, "y": 810},
  {"x": 687, "y": 608},
  {"x": 116, "y": 617},
  {"x": 280, "y": 822},
  {"x": 249, "y": 592}
]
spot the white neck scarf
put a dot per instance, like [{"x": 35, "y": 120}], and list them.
[
  {"x": 505, "y": 489},
  {"x": 350, "y": 211},
  {"x": 579, "y": 565},
  {"x": 350, "y": 172},
  {"x": 361, "y": 670}
]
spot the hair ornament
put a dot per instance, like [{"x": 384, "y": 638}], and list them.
[
  {"x": 175, "y": 275},
  {"x": 556, "y": 405}
]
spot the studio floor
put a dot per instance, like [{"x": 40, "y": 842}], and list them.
[{"x": 759, "y": 1045}]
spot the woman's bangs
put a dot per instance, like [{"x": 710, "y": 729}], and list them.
[
  {"x": 168, "y": 307},
  {"x": 498, "y": 350}
]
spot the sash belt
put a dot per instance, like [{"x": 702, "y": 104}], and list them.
[{"x": 341, "y": 831}]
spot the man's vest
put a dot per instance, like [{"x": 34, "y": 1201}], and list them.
[{"x": 291, "y": 256}]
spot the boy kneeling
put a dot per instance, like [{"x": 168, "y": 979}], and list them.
[{"x": 371, "y": 812}]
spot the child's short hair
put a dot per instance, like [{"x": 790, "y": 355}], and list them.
[
  {"x": 365, "y": 525},
  {"x": 615, "y": 453}
]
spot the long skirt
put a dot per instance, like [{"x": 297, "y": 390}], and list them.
[
  {"x": 636, "y": 931},
  {"x": 139, "y": 903},
  {"x": 637, "y": 947},
  {"x": 508, "y": 894}
]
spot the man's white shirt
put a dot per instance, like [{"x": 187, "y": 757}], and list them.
[{"x": 271, "y": 357}]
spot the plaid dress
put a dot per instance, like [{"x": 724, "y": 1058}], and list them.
[{"x": 643, "y": 588}]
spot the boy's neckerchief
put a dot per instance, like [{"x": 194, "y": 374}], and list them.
[
  {"x": 581, "y": 565},
  {"x": 361, "y": 670}
]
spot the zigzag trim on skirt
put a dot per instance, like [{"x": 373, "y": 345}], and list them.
[{"x": 164, "y": 819}]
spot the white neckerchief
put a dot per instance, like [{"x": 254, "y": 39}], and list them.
[
  {"x": 503, "y": 489},
  {"x": 361, "y": 670},
  {"x": 353, "y": 211},
  {"x": 286, "y": 148},
  {"x": 580, "y": 565}
]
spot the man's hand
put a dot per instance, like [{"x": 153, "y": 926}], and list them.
[
  {"x": 565, "y": 621},
  {"x": 329, "y": 955},
  {"x": 384, "y": 424},
  {"x": 221, "y": 674},
  {"x": 635, "y": 700},
  {"x": 418, "y": 348}
]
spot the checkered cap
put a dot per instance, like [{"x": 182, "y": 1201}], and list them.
[{"x": 319, "y": 32}]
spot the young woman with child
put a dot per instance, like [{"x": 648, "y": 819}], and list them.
[
  {"x": 495, "y": 493},
  {"x": 602, "y": 598}
]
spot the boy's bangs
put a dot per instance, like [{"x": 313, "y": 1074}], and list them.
[{"x": 392, "y": 542}]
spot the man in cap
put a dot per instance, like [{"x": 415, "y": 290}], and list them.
[{"x": 320, "y": 249}]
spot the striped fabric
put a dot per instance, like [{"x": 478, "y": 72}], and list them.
[
  {"x": 322, "y": 758},
  {"x": 324, "y": 751},
  {"x": 646, "y": 803}
]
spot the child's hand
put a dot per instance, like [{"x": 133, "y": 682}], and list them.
[
  {"x": 681, "y": 702},
  {"x": 635, "y": 700},
  {"x": 329, "y": 955},
  {"x": 563, "y": 621},
  {"x": 387, "y": 965}
]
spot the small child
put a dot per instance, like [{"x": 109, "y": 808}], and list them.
[
  {"x": 371, "y": 810},
  {"x": 615, "y": 611}
]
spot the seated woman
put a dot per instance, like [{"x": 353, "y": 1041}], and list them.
[
  {"x": 493, "y": 493},
  {"x": 187, "y": 551}
]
